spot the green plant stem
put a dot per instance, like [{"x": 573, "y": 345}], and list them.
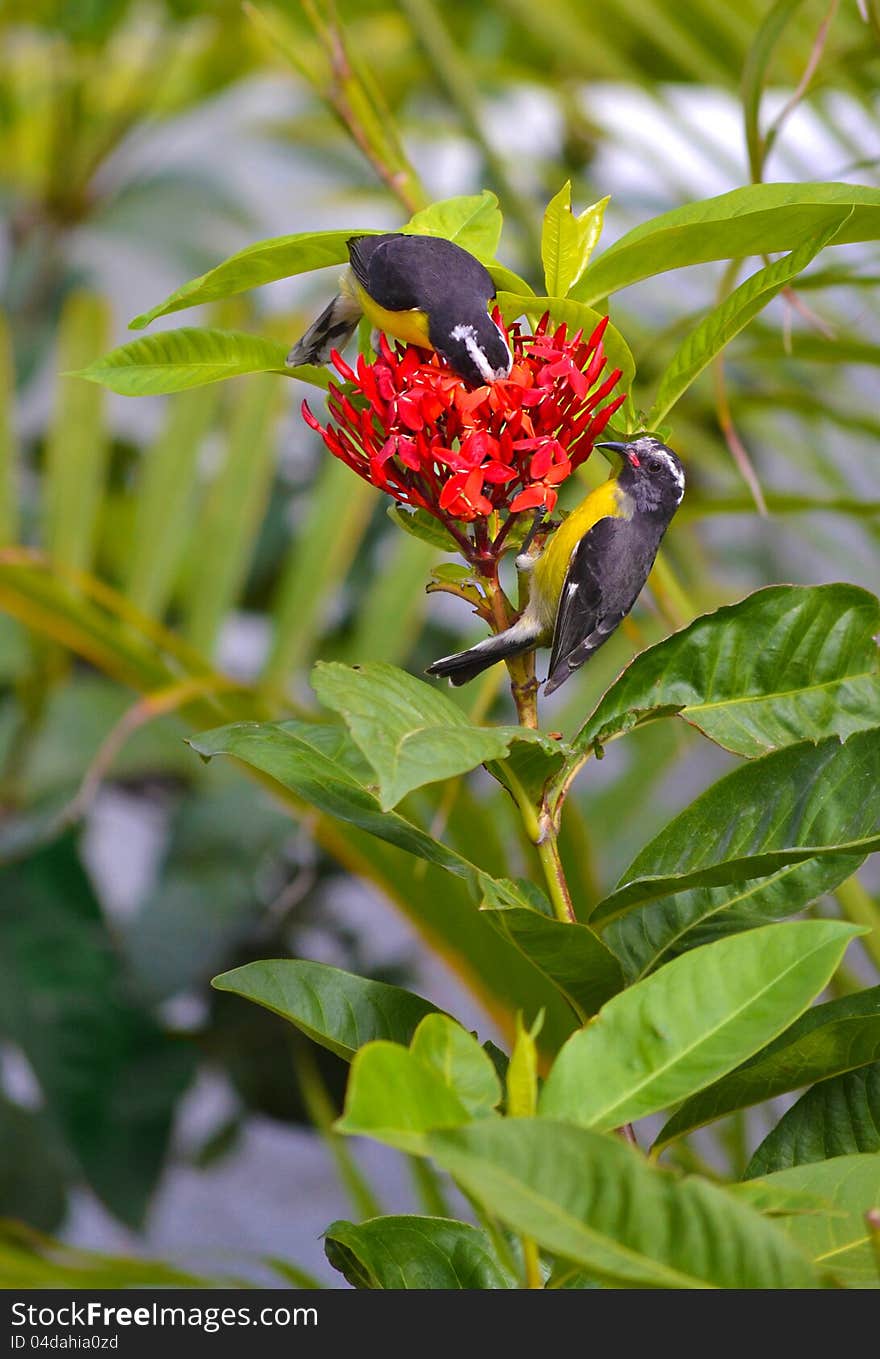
[
  {"x": 554, "y": 875},
  {"x": 859, "y": 907},
  {"x": 320, "y": 1110},
  {"x": 531, "y": 1263},
  {"x": 428, "y": 1187}
]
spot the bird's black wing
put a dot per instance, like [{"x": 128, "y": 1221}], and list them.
[
  {"x": 581, "y": 604},
  {"x": 403, "y": 272},
  {"x": 383, "y": 268}
]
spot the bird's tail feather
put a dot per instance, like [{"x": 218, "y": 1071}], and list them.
[
  {"x": 464, "y": 666},
  {"x": 332, "y": 330}
]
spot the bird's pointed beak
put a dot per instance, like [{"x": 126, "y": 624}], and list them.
[{"x": 623, "y": 451}]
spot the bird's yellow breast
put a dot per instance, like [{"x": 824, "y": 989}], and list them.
[
  {"x": 607, "y": 501},
  {"x": 409, "y": 326}
]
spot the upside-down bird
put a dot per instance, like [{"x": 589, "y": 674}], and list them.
[
  {"x": 592, "y": 570},
  {"x": 423, "y": 290}
]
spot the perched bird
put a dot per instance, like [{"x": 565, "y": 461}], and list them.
[
  {"x": 422, "y": 290},
  {"x": 592, "y": 570}
]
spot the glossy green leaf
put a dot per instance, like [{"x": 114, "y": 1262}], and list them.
[
  {"x": 838, "y": 1117},
  {"x": 424, "y": 526},
  {"x": 409, "y": 731},
  {"x": 593, "y": 1200},
  {"x": 575, "y": 316},
  {"x": 567, "y": 242},
  {"x": 776, "y": 1200},
  {"x": 396, "y": 1098},
  {"x": 413, "y": 1252},
  {"x": 761, "y": 219},
  {"x": 260, "y": 263},
  {"x": 521, "y": 1075},
  {"x": 442, "y": 1043},
  {"x": 289, "y": 753},
  {"x": 816, "y": 672},
  {"x": 826, "y": 1041},
  {"x": 725, "y": 321},
  {"x": 682, "y": 1028},
  {"x": 173, "y": 360},
  {"x": 473, "y": 221},
  {"x": 340, "y": 1011},
  {"x": 320, "y": 767},
  {"x": 836, "y": 1241},
  {"x": 572, "y": 956},
  {"x": 757, "y": 846}
]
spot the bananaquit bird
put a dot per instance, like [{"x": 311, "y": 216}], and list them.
[
  {"x": 420, "y": 289},
  {"x": 593, "y": 569}
]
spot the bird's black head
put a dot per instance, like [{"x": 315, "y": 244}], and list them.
[
  {"x": 475, "y": 347},
  {"x": 651, "y": 473}
]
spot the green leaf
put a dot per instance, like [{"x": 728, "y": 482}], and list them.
[
  {"x": 410, "y": 732},
  {"x": 837, "y": 1241},
  {"x": 838, "y": 1117},
  {"x": 758, "y": 845},
  {"x": 474, "y": 222},
  {"x": 396, "y": 1098},
  {"x": 173, "y": 360},
  {"x": 761, "y": 219},
  {"x": 776, "y": 1200},
  {"x": 33, "y": 1169},
  {"x": 424, "y": 526},
  {"x": 572, "y": 956},
  {"x": 521, "y": 1076},
  {"x": 593, "y": 1200},
  {"x": 574, "y": 315},
  {"x": 414, "y": 1252},
  {"x": 442, "y": 1043},
  {"x": 340, "y": 1011},
  {"x": 688, "y": 1024},
  {"x": 826, "y": 1041},
  {"x": 262, "y": 262},
  {"x": 567, "y": 242},
  {"x": 815, "y": 674},
  {"x": 310, "y": 765},
  {"x": 725, "y": 321},
  {"x": 289, "y": 753}
]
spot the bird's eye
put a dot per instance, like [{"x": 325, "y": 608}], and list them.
[{"x": 654, "y": 464}]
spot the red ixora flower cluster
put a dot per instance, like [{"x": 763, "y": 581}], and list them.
[{"x": 411, "y": 426}]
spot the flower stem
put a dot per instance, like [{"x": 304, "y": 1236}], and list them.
[
  {"x": 861, "y": 909},
  {"x": 554, "y": 875}
]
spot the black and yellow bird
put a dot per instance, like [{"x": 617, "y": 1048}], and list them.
[
  {"x": 592, "y": 570},
  {"x": 423, "y": 290}
]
